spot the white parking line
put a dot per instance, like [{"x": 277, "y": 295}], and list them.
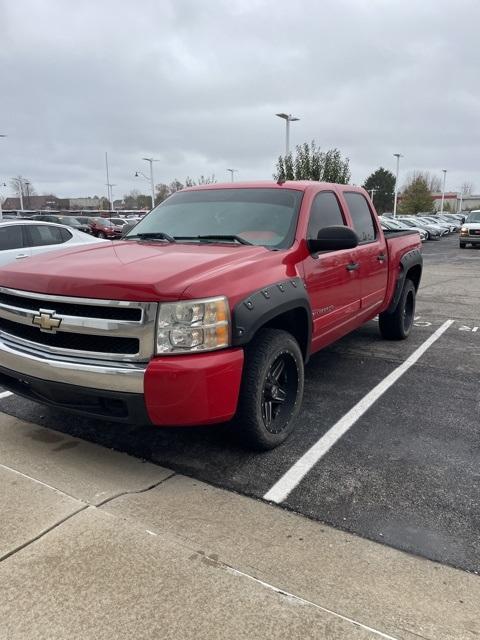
[
  {"x": 5, "y": 394},
  {"x": 282, "y": 489}
]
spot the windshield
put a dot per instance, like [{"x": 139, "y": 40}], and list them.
[
  {"x": 265, "y": 217},
  {"x": 69, "y": 220},
  {"x": 473, "y": 217}
]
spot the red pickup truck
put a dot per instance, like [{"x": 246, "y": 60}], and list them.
[{"x": 209, "y": 308}]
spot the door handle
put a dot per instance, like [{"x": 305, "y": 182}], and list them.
[
  {"x": 21, "y": 255},
  {"x": 381, "y": 257},
  {"x": 353, "y": 266}
]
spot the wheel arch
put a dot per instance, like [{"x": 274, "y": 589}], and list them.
[{"x": 283, "y": 305}]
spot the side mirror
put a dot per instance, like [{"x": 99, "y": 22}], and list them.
[{"x": 333, "y": 238}]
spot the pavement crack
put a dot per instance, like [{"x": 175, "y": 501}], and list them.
[
  {"x": 134, "y": 491},
  {"x": 42, "y": 533},
  {"x": 214, "y": 561}
]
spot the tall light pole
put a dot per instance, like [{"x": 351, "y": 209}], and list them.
[
  {"x": 3, "y": 184},
  {"x": 152, "y": 183},
  {"x": 232, "y": 171},
  {"x": 397, "y": 156},
  {"x": 443, "y": 190},
  {"x": 109, "y": 184},
  {"x": 461, "y": 202},
  {"x": 19, "y": 183},
  {"x": 288, "y": 118},
  {"x": 372, "y": 191}
]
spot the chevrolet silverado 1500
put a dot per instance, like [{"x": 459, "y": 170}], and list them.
[{"x": 209, "y": 308}]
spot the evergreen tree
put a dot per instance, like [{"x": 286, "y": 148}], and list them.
[{"x": 382, "y": 182}]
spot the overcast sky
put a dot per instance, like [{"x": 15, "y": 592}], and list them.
[{"x": 196, "y": 85}]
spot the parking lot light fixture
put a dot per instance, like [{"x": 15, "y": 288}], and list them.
[
  {"x": 397, "y": 156},
  {"x": 232, "y": 172},
  {"x": 288, "y": 118},
  {"x": 443, "y": 189}
]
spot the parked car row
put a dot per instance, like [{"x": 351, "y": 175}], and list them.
[{"x": 430, "y": 227}]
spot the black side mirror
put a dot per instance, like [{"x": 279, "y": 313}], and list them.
[{"x": 333, "y": 238}]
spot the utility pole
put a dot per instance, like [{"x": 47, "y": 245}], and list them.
[
  {"x": 397, "y": 156},
  {"x": 232, "y": 171},
  {"x": 372, "y": 191}
]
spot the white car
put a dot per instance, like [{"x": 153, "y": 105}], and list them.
[{"x": 20, "y": 239}]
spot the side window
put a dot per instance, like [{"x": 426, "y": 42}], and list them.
[
  {"x": 40, "y": 235},
  {"x": 11, "y": 237},
  {"x": 66, "y": 235},
  {"x": 325, "y": 212},
  {"x": 361, "y": 216}
]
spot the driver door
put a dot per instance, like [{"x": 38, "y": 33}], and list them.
[{"x": 331, "y": 277}]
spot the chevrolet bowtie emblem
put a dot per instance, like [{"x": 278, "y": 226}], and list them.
[{"x": 47, "y": 321}]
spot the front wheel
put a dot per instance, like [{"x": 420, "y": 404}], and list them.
[
  {"x": 271, "y": 391},
  {"x": 463, "y": 245},
  {"x": 397, "y": 325}
]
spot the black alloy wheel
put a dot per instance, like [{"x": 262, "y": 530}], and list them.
[
  {"x": 271, "y": 391},
  {"x": 279, "y": 392}
]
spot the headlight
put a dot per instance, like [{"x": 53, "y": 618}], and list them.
[
  {"x": 464, "y": 231},
  {"x": 193, "y": 325}
]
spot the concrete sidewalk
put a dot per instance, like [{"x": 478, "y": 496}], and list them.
[{"x": 97, "y": 545}]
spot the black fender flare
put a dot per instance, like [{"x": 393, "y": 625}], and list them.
[
  {"x": 265, "y": 304},
  {"x": 410, "y": 259}
]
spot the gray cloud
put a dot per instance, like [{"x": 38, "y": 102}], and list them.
[{"x": 197, "y": 85}]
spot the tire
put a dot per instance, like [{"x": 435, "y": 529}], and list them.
[
  {"x": 101, "y": 235},
  {"x": 398, "y": 324},
  {"x": 463, "y": 245},
  {"x": 273, "y": 370}
]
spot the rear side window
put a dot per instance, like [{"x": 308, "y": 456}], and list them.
[
  {"x": 325, "y": 212},
  {"x": 361, "y": 217},
  {"x": 65, "y": 234},
  {"x": 40, "y": 235},
  {"x": 11, "y": 237}
]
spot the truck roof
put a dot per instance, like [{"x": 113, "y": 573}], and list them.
[{"x": 298, "y": 185}]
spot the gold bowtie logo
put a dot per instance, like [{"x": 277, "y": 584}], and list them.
[{"x": 47, "y": 321}]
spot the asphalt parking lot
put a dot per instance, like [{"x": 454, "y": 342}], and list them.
[{"x": 407, "y": 471}]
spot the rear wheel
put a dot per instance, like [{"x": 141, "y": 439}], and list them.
[
  {"x": 398, "y": 324},
  {"x": 271, "y": 391},
  {"x": 101, "y": 235}
]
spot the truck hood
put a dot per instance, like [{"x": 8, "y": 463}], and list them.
[
  {"x": 144, "y": 272},
  {"x": 471, "y": 225}
]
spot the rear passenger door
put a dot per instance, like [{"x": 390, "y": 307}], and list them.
[
  {"x": 12, "y": 245},
  {"x": 371, "y": 253},
  {"x": 331, "y": 282}
]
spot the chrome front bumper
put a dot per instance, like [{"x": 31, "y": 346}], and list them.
[{"x": 125, "y": 377}]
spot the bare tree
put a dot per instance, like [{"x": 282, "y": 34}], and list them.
[
  {"x": 467, "y": 188},
  {"x": 433, "y": 182},
  {"x": 22, "y": 186}
]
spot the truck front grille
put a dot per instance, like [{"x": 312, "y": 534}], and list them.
[
  {"x": 74, "y": 341},
  {"x": 82, "y": 328}
]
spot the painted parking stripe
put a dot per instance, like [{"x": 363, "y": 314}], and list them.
[
  {"x": 287, "y": 483},
  {"x": 5, "y": 394}
]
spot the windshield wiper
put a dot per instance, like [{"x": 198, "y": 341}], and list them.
[
  {"x": 214, "y": 236},
  {"x": 155, "y": 235}
]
